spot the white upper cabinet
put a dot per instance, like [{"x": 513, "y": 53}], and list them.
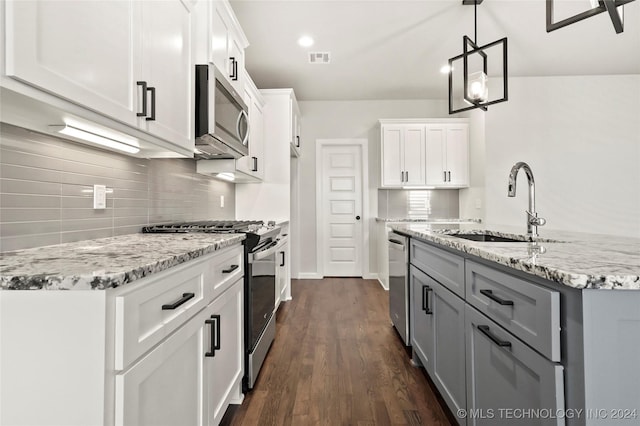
[
  {"x": 107, "y": 57},
  {"x": 296, "y": 119},
  {"x": 448, "y": 155},
  {"x": 253, "y": 164},
  {"x": 166, "y": 65},
  {"x": 403, "y": 155},
  {"x": 84, "y": 52},
  {"x": 424, "y": 152},
  {"x": 227, "y": 43}
]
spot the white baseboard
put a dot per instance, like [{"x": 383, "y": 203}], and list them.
[
  {"x": 370, "y": 276},
  {"x": 309, "y": 276},
  {"x": 382, "y": 284}
]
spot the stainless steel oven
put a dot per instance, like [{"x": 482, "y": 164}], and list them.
[{"x": 260, "y": 318}]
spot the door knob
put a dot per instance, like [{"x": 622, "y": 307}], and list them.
[{"x": 357, "y": 217}]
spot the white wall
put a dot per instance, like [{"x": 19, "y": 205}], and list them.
[
  {"x": 581, "y": 137},
  {"x": 347, "y": 119}
]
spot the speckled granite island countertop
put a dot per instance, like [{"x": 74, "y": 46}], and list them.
[
  {"x": 106, "y": 262},
  {"x": 576, "y": 260},
  {"x": 426, "y": 220}
]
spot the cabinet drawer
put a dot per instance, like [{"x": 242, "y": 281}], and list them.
[
  {"x": 227, "y": 267},
  {"x": 529, "y": 311},
  {"x": 158, "y": 306},
  {"x": 504, "y": 374},
  {"x": 444, "y": 267}
]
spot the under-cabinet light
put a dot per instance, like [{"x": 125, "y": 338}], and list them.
[
  {"x": 93, "y": 137},
  {"x": 226, "y": 176}
]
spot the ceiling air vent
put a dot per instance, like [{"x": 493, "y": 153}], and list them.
[{"x": 319, "y": 57}]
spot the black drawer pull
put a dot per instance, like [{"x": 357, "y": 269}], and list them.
[
  {"x": 215, "y": 335},
  {"x": 490, "y": 295},
  {"x": 230, "y": 269},
  {"x": 185, "y": 297},
  {"x": 425, "y": 299},
  {"x": 484, "y": 329}
]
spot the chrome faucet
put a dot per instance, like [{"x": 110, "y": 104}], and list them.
[{"x": 533, "y": 221}]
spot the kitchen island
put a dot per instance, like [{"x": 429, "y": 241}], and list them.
[
  {"x": 156, "y": 337},
  {"x": 549, "y": 328}
]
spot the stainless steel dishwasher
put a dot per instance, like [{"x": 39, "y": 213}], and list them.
[{"x": 399, "y": 284}]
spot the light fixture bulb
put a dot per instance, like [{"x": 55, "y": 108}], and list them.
[
  {"x": 477, "y": 89},
  {"x": 446, "y": 69},
  {"x": 305, "y": 41}
]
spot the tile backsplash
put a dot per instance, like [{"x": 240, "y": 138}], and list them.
[
  {"x": 418, "y": 203},
  {"x": 46, "y": 191}
]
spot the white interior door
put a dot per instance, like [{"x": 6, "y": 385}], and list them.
[{"x": 342, "y": 210}]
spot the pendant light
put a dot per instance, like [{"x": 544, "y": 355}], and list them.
[{"x": 475, "y": 92}]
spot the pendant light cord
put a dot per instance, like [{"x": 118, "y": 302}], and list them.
[{"x": 475, "y": 22}]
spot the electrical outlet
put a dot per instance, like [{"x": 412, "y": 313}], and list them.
[
  {"x": 99, "y": 197},
  {"x": 478, "y": 203},
  {"x": 222, "y": 201}
]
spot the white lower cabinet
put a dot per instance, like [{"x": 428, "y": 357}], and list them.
[
  {"x": 166, "y": 349},
  {"x": 200, "y": 365},
  {"x": 223, "y": 354},
  {"x": 164, "y": 387}
]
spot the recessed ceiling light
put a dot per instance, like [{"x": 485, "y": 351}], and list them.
[
  {"x": 446, "y": 69},
  {"x": 305, "y": 41}
]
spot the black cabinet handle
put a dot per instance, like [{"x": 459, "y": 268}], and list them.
[
  {"x": 490, "y": 295},
  {"x": 449, "y": 175},
  {"x": 282, "y": 263},
  {"x": 255, "y": 164},
  {"x": 215, "y": 335},
  {"x": 144, "y": 99},
  {"x": 234, "y": 68},
  {"x": 425, "y": 299},
  {"x": 406, "y": 176},
  {"x": 445, "y": 175},
  {"x": 484, "y": 329},
  {"x": 153, "y": 104},
  {"x": 230, "y": 269},
  {"x": 185, "y": 297},
  {"x": 297, "y": 141}
]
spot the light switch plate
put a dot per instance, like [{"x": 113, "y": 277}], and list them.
[
  {"x": 221, "y": 201},
  {"x": 99, "y": 197}
]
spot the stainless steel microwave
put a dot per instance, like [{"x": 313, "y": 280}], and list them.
[{"x": 222, "y": 120}]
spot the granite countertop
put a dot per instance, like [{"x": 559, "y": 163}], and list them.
[
  {"x": 426, "y": 220},
  {"x": 106, "y": 262},
  {"x": 578, "y": 260}
]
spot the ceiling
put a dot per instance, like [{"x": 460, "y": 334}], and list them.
[{"x": 394, "y": 49}]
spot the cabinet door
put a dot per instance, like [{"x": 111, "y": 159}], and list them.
[
  {"x": 436, "y": 154},
  {"x": 84, "y": 52},
  {"x": 414, "y": 155},
  {"x": 224, "y": 370},
  {"x": 164, "y": 387},
  {"x": 166, "y": 61},
  {"x": 422, "y": 321},
  {"x": 505, "y": 374},
  {"x": 256, "y": 146},
  {"x": 458, "y": 154},
  {"x": 448, "y": 362},
  {"x": 284, "y": 271},
  {"x": 392, "y": 171},
  {"x": 219, "y": 45}
]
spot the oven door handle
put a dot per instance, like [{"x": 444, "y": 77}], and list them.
[{"x": 273, "y": 247}]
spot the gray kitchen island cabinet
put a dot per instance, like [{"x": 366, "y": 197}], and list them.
[
  {"x": 438, "y": 336},
  {"x": 507, "y": 346}
]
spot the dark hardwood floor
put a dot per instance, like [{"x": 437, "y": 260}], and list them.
[{"x": 337, "y": 360}]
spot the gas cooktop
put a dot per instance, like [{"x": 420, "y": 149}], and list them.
[{"x": 212, "y": 226}]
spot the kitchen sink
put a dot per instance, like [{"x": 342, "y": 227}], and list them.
[
  {"x": 487, "y": 236},
  {"x": 490, "y": 238}
]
